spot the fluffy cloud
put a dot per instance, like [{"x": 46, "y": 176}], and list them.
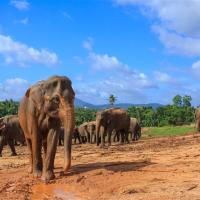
[
  {"x": 178, "y": 44},
  {"x": 13, "y": 88},
  {"x": 196, "y": 69},
  {"x": 21, "y": 54},
  {"x": 116, "y": 78},
  {"x": 178, "y": 23},
  {"x": 105, "y": 62},
  {"x": 164, "y": 78},
  {"x": 20, "y": 4}
]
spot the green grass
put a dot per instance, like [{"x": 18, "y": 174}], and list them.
[{"x": 167, "y": 131}]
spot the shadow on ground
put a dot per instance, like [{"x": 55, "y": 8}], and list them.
[{"x": 111, "y": 166}]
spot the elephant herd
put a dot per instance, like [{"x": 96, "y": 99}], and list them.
[{"x": 46, "y": 118}]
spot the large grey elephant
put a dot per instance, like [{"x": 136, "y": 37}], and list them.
[
  {"x": 197, "y": 118},
  {"x": 135, "y": 129},
  {"x": 109, "y": 120},
  {"x": 45, "y": 107},
  {"x": 10, "y": 131}
]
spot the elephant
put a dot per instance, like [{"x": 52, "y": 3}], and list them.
[
  {"x": 10, "y": 132},
  {"x": 197, "y": 118},
  {"x": 91, "y": 128},
  {"x": 135, "y": 129},
  {"x": 46, "y": 106},
  {"x": 76, "y": 136},
  {"x": 82, "y": 129},
  {"x": 109, "y": 120}
]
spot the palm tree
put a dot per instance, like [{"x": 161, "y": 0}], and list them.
[{"x": 112, "y": 99}]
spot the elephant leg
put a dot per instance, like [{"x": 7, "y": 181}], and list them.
[
  {"x": 109, "y": 137},
  {"x": 1, "y": 144},
  {"x": 12, "y": 147},
  {"x": 79, "y": 139},
  {"x": 88, "y": 138},
  {"x": 29, "y": 145},
  {"x": 103, "y": 137},
  {"x": 52, "y": 139},
  {"x": 44, "y": 144},
  {"x": 37, "y": 158},
  {"x": 121, "y": 139},
  {"x": 126, "y": 136}
]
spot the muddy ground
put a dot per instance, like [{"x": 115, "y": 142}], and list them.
[{"x": 152, "y": 169}]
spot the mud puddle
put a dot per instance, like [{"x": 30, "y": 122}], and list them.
[{"x": 52, "y": 191}]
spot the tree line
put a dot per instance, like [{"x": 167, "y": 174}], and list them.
[{"x": 179, "y": 113}]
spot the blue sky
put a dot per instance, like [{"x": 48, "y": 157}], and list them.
[{"x": 140, "y": 51}]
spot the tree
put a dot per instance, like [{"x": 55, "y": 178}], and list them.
[
  {"x": 177, "y": 100},
  {"x": 187, "y": 100},
  {"x": 112, "y": 99}
]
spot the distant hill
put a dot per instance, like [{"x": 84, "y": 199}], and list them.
[{"x": 81, "y": 104}]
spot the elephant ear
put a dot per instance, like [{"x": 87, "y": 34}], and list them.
[{"x": 36, "y": 95}]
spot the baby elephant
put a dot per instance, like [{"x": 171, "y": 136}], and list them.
[
  {"x": 10, "y": 131},
  {"x": 135, "y": 129}
]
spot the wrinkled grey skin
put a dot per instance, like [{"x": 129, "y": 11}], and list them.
[
  {"x": 45, "y": 107},
  {"x": 135, "y": 129},
  {"x": 197, "y": 119},
  {"x": 10, "y": 132},
  {"x": 112, "y": 119}
]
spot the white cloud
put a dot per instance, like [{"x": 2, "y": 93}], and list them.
[
  {"x": 183, "y": 16},
  {"x": 178, "y": 44},
  {"x": 105, "y": 62},
  {"x": 196, "y": 69},
  {"x": 20, "y": 4},
  {"x": 116, "y": 78},
  {"x": 21, "y": 54},
  {"x": 178, "y": 23},
  {"x": 22, "y": 21},
  {"x": 163, "y": 77},
  {"x": 88, "y": 44},
  {"x": 13, "y": 88}
]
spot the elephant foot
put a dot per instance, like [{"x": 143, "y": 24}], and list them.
[
  {"x": 47, "y": 176},
  {"x": 37, "y": 173},
  {"x": 13, "y": 154}
]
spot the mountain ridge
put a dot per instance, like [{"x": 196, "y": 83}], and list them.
[{"x": 82, "y": 104}]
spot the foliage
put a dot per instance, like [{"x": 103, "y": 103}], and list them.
[
  {"x": 84, "y": 115},
  {"x": 112, "y": 99},
  {"x": 177, "y": 100},
  {"x": 181, "y": 112},
  {"x": 8, "y": 107}
]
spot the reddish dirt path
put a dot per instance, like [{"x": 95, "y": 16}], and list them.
[{"x": 153, "y": 169}]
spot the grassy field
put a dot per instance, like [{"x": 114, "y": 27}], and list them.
[{"x": 167, "y": 131}]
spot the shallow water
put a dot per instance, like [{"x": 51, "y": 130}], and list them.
[{"x": 49, "y": 191}]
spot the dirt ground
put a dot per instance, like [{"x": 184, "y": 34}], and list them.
[{"x": 152, "y": 169}]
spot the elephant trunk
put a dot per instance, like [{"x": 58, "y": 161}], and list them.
[
  {"x": 98, "y": 125},
  {"x": 68, "y": 122}
]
